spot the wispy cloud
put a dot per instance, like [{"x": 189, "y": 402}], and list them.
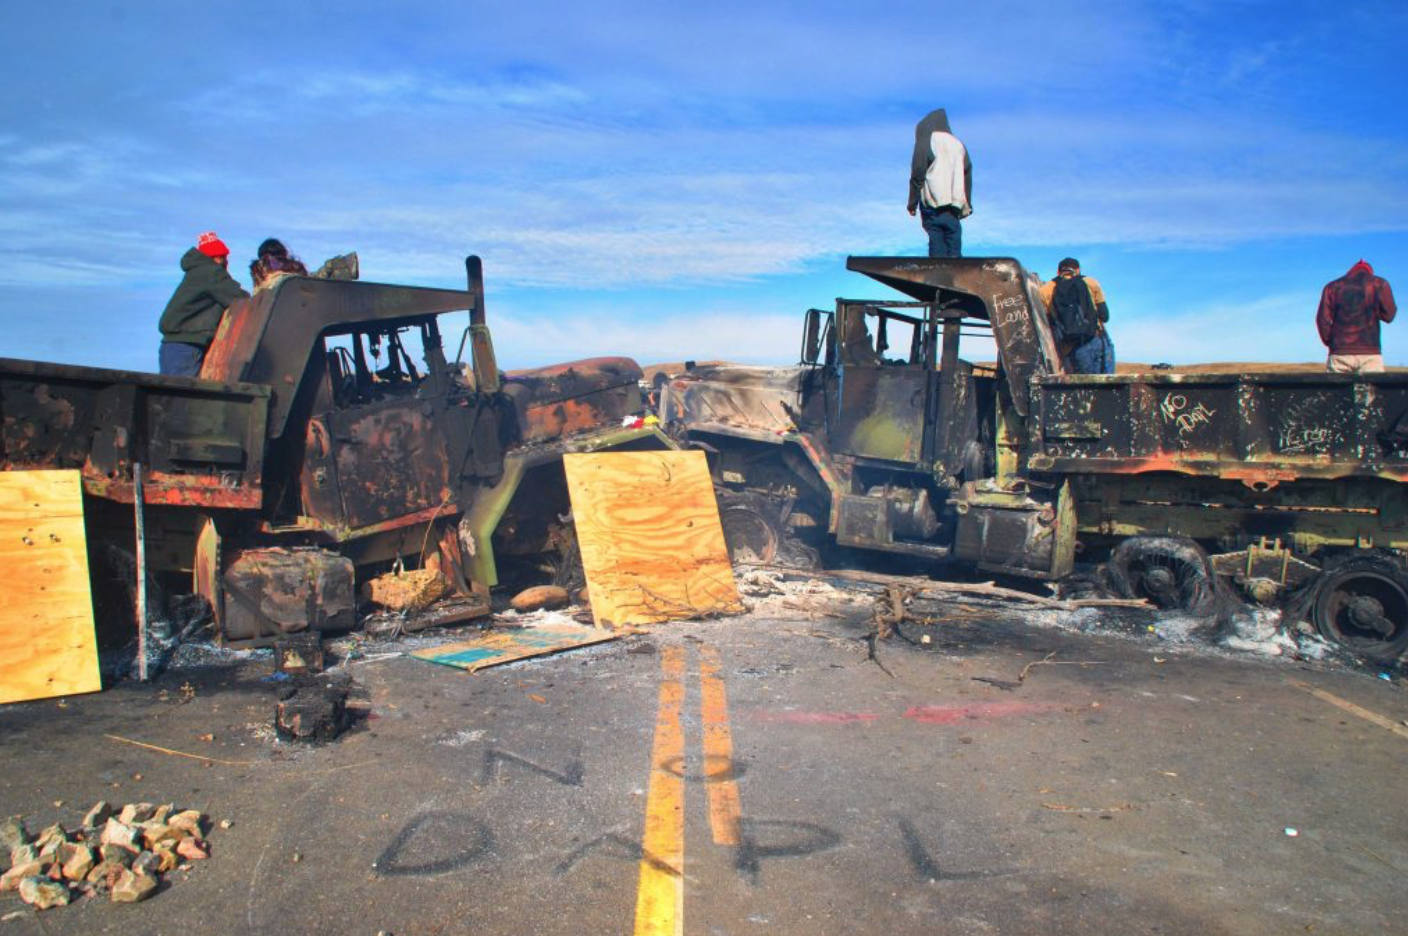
[{"x": 595, "y": 151}]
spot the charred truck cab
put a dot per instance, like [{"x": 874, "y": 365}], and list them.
[
  {"x": 1285, "y": 487},
  {"x": 328, "y": 432}
]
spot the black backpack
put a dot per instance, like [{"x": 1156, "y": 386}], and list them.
[{"x": 1074, "y": 310}]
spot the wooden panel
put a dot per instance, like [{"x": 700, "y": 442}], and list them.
[
  {"x": 47, "y": 644},
  {"x": 652, "y": 546},
  {"x": 506, "y": 646}
]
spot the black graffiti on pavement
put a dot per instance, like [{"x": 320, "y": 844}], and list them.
[
  {"x": 766, "y": 839},
  {"x": 572, "y": 774},
  {"x": 440, "y": 840}
]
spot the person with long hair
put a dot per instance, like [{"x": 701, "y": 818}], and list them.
[{"x": 273, "y": 263}]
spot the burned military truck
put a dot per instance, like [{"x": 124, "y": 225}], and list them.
[
  {"x": 327, "y": 432},
  {"x": 1283, "y": 488}
]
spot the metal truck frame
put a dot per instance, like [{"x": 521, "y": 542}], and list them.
[
  {"x": 313, "y": 442},
  {"x": 1287, "y": 487}
]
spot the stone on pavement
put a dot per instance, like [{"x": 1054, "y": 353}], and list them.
[
  {"x": 119, "y": 833},
  {"x": 188, "y": 821},
  {"x": 23, "y": 854},
  {"x": 193, "y": 849},
  {"x": 133, "y": 813},
  {"x": 166, "y": 853},
  {"x": 116, "y": 853},
  {"x": 49, "y": 841},
  {"x": 147, "y": 863},
  {"x": 153, "y": 834},
  {"x": 98, "y": 815},
  {"x": 11, "y": 878},
  {"x": 42, "y": 893},
  {"x": 77, "y": 860},
  {"x": 130, "y": 887},
  {"x": 105, "y": 874}
]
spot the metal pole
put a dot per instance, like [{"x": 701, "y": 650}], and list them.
[{"x": 141, "y": 573}]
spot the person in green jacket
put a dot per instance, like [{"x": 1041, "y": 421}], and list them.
[{"x": 191, "y": 317}]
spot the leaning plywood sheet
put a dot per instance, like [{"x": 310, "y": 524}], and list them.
[
  {"x": 652, "y": 546},
  {"x": 506, "y": 646},
  {"x": 47, "y": 644}
]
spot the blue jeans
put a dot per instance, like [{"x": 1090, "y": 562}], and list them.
[
  {"x": 178, "y": 359},
  {"x": 1095, "y": 356},
  {"x": 945, "y": 231}
]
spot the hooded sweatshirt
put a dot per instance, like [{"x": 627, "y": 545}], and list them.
[
  {"x": 1351, "y": 309},
  {"x": 195, "y": 308},
  {"x": 933, "y": 167}
]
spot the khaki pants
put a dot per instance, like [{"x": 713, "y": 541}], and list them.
[{"x": 1355, "y": 364}]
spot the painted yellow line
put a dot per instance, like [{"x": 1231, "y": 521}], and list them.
[
  {"x": 1353, "y": 709},
  {"x": 660, "y": 893},
  {"x": 725, "y": 809}
]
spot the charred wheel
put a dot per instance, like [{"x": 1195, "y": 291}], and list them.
[
  {"x": 1168, "y": 572},
  {"x": 1362, "y": 603},
  {"x": 756, "y": 531}
]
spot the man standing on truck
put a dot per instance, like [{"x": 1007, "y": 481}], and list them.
[
  {"x": 940, "y": 184},
  {"x": 191, "y": 317},
  {"x": 1351, "y": 309},
  {"x": 1078, "y": 313}
]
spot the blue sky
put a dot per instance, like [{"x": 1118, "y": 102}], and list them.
[{"x": 668, "y": 180}]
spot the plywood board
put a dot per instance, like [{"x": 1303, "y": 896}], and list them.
[
  {"x": 47, "y": 643},
  {"x": 505, "y": 646},
  {"x": 648, "y": 527}
]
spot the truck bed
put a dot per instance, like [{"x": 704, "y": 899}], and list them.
[
  {"x": 1259, "y": 427},
  {"x": 200, "y": 442}
]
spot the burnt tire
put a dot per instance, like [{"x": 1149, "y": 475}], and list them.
[
  {"x": 1361, "y": 603},
  {"x": 1168, "y": 572},
  {"x": 756, "y": 533}
]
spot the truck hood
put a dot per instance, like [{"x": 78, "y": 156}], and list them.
[{"x": 761, "y": 399}]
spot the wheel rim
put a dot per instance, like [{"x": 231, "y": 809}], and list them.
[
  {"x": 1365, "y": 610},
  {"x": 750, "y": 538},
  {"x": 1169, "y": 576}
]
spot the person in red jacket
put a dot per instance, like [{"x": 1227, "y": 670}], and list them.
[{"x": 1351, "y": 309}]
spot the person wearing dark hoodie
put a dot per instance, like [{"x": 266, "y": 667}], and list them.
[
  {"x": 191, "y": 317},
  {"x": 940, "y": 184},
  {"x": 1351, "y": 309}
]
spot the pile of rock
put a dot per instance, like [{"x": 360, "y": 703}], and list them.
[{"x": 122, "y": 854}]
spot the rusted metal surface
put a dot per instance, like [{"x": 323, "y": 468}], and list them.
[
  {"x": 755, "y": 399},
  {"x": 549, "y": 402},
  {"x": 1261, "y": 429},
  {"x": 995, "y": 289},
  {"x": 273, "y": 592},
  {"x": 201, "y": 442},
  {"x": 348, "y": 429},
  {"x": 271, "y": 337}
]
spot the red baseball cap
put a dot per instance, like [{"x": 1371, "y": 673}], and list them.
[{"x": 211, "y": 245}]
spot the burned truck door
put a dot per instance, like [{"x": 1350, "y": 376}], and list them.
[
  {"x": 882, "y": 400},
  {"x": 384, "y": 437}
]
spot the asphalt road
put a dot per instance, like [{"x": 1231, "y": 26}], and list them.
[{"x": 760, "y": 775}]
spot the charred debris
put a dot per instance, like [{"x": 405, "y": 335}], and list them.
[{"x": 333, "y": 458}]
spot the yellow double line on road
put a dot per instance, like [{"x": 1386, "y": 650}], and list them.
[{"x": 660, "y": 893}]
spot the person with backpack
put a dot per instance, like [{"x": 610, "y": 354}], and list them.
[
  {"x": 940, "y": 184},
  {"x": 1078, "y": 313}
]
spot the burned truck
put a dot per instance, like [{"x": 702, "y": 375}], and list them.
[
  {"x": 1282, "y": 488},
  {"x": 327, "y": 432}
]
